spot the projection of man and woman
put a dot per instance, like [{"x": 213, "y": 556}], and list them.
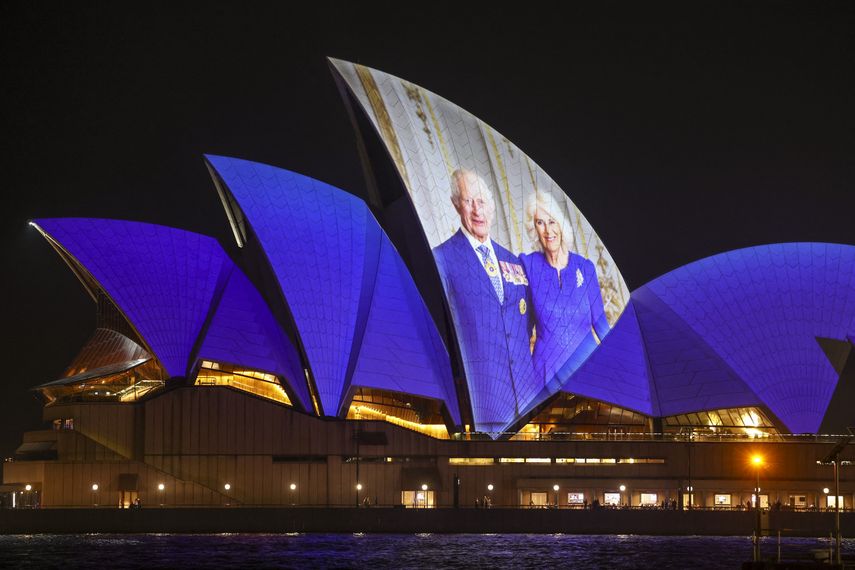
[
  {"x": 550, "y": 296},
  {"x": 526, "y": 315}
]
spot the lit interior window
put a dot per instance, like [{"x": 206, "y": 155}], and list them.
[
  {"x": 571, "y": 414},
  {"x": 125, "y": 385},
  {"x": 575, "y": 498},
  {"x": 255, "y": 382},
  {"x": 422, "y": 415},
  {"x": 722, "y": 500},
  {"x": 649, "y": 499},
  {"x": 471, "y": 461},
  {"x": 751, "y": 422}
]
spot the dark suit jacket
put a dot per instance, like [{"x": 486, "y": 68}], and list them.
[{"x": 494, "y": 334}]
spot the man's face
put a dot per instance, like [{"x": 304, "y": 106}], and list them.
[{"x": 475, "y": 207}]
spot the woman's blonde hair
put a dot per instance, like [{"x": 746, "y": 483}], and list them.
[{"x": 550, "y": 206}]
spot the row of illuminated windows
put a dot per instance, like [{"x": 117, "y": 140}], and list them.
[
  {"x": 794, "y": 501},
  {"x": 550, "y": 460},
  {"x": 64, "y": 423},
  {"x": 393, "y": 459},
  {"x": 257, "y": 374},
  {"x": 363, "y": 412},
  {"x": 248, "y": 380},
  {"x": 648, "y": 499},
  {"x": 572, "y": 409},
  {"x": 732, "y": 417}
]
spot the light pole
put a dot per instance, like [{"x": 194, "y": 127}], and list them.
[
  {"x": 293, "y": 487},
  {"x": 555, "y": 488},
  {"x": 490, "y": 496},
  {"x": 757, "y": 461},
  {"x": 837, "y": 502},
  {"x": 160, "y": 488},
  {"x": 833, "y": 457},
  {"x": 424, "y": 495},
  {"x": 94, "y": 494},
  {"x": 622, "y": 489},
  {"x": 227, "y": 487},
  {"x": 356, "y": 436}
]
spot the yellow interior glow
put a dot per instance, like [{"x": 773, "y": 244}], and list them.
[
  {"x": 363, "y": 412},
  {"x": 254, "y": 382}
]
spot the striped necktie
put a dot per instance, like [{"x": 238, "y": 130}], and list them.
[{"x": 492, "y": 270}]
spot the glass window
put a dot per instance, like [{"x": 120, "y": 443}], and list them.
[
  {"x": 649, "y": 499},
  {"x": 471, "y": 461},
  {"x": 575, "y": 498},
  {"x": 764, "y": 500},
  {"x": 832, "y": 504},
  {"x": 572, "y": 414},
  {"x": 538, "y": 499},
  {"x": 253, "y": 381},
  {"x": 732, "y": 421},
  {"x": 418, "y": 414},
  {"x": 612, "y": 499},
  {"x": 798, "y": 501},
  {"x": 722, "y": 500},
  {"x": 418, "y": 499}
]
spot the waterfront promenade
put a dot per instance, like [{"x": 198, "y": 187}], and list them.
[{"x": 399, "y": 520}]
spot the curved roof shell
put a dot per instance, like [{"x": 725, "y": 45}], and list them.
[
  {"x": 760, "y": 311},
  {"x": 162, "y": 279},
  {"x": 181, "y": 293},
  {"x": 356, "y": 308},
  {"x": 431, "y": 141},
  {"x": 244, "y": 332},
  {"x": 736, "y": 329}
]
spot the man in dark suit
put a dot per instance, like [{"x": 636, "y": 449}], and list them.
[{"x": 488, "y": 294}]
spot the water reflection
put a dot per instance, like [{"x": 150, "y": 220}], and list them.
[{"x": 361, "y": 550}]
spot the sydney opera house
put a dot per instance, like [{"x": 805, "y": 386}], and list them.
[{"x": 462, "y": 335}]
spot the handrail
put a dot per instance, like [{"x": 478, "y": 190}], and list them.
[{"x": 694, "y": 437}]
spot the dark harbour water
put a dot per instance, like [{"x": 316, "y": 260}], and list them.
[{"x": 389, "y": 551}]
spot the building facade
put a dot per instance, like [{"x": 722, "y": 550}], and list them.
[{"x": 334, "y": 361}]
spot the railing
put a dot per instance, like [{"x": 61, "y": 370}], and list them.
[
  {"x": 580, "y": 508},
  {"x": 684, "y": 437}
]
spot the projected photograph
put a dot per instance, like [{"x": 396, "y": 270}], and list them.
[{"x": 531, "y": 288}]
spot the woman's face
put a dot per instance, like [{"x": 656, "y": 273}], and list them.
[{"x": 548, "y": 231}]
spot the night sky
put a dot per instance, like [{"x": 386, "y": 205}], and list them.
[{"x": 679, "y": 130}]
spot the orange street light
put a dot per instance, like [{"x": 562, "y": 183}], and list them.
[{"x": 757, "y": 462}]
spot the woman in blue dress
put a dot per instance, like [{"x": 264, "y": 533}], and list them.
[{"x": 565, "y": 293}]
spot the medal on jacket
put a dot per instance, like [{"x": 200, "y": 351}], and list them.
[
  {"x": 522, "y": 306},
  {"x": 491, "y": 268}
]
